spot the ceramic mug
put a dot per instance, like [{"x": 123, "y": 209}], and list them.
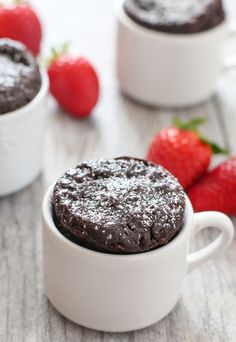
[
  {"x": 166, "y": 69},
  {"x": 116, "y": 293},
  {"x": 21, "y": 142}
]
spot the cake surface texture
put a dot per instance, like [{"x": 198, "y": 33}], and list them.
[
  {"x": 176, "y": 16},
  {"x": 20, "y": 78},
  {"x": 121, "y": 205}
]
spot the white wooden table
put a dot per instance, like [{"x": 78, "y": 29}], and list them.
[{"x": 207, "y": 308}]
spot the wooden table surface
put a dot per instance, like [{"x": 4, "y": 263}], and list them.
[{"x": 207, "y": 308}]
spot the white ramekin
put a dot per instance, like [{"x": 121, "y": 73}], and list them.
[{"x": 21, "y": 142}]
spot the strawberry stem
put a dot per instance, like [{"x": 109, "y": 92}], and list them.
[
  {"x": 58, "y": 52},
  {"x": 193, "y": 125},
  {"x": 214, "y": 147},
  {"x": 20, "y": 2}
]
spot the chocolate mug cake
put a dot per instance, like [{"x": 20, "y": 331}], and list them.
[
  {"x": 20, "y": 78},
  {"x": 182, "y": 16},
  {"x": 119, "y": 206}
]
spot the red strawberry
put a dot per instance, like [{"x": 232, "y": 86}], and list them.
[
  {"x": 183, "y": 151},
  {"x": 216, "y": 190},
  {"x": 20, "y": 22},
  {"x": 73, "y": 83}
]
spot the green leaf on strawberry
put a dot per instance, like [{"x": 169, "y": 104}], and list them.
[
  {"x": 216, "y": 149},
  {"x": 56, "y": 53},
  {"x": 193, "y": 125}
]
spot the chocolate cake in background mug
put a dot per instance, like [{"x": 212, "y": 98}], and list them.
[
  {"x": 176, "y": 16},
  {"x": 20, "y": 78},
  {"x": 169, "y": 53},
  {"x": 121, "y": 205}
]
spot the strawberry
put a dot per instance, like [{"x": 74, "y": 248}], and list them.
[
  {"x": 183, "y": 151},
  {"x": 216, "y": 190},
  {"x": 73, "y": 83},
  {"x": 20, "y": 22}
]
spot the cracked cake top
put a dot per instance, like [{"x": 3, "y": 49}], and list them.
[{"x": 121, "y": 205}]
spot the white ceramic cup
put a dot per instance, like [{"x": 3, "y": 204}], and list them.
[
  {"x": 111, "y": 292},
  {"x": 164, "y": 69},
  {"x": 21, "y": 142}
]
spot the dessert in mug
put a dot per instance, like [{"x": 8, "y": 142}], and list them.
[
  {"x": 20, "y": 79},
  {"x": 119, "y": 206},
  {"x": 180, "y": 43},
  {"x": 182, "y": 16},
  {"x": 127, "y": 208}
]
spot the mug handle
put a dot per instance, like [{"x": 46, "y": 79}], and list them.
[
  {"x": 230, "y": 60},
  {"x": 205, "y": 220}
]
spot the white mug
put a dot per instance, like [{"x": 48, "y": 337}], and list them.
[
  {"x": 116, "y": 293},
  {"x": 21, "y": 142},
  {"x": 165, "y": 69}
]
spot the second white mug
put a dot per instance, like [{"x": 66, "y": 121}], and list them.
[{"x": 164, "y": 69}]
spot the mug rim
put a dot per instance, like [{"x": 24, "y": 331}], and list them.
[
  {"x": 121, "y": 15},
  {"x": 30, "y": 105},
  {"x": 48, "y": 220}
]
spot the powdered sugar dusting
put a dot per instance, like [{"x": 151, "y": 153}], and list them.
[{"x": 122, "y": 205}]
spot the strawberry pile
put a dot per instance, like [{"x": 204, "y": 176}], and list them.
[{"x": 183, "y": 151}]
